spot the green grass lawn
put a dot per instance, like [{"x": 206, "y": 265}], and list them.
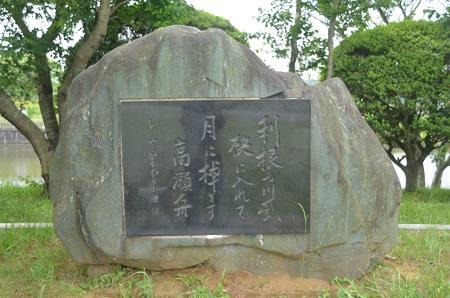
[
  {"x": 426, "y": 206},
  {"x": 29, "y": 204},
  {"x": 33, "y": 263},
  {"x": 24, "y": 204}
]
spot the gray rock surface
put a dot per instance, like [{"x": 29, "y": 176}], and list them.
[{"x": 355, "y": 192}]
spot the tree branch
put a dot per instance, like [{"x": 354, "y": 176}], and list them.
[
  {"x": 440, "y": 142},
  {"x": 441, "y": 165},
  {"x": 45, "y": 95},
  {"x": 31, "y": 131},
  {"x": 395, "y": 160},
  {"x": 53, "y": 29},
  {"x": 85, "y": 52},
  {"x": 118, "y": 5},
  {"x": 402, "y": 10},
  {"x": 294, "y": 33},
  {"x": 446, "y": 163},
  {"x": 16, "y": 13},
  {"x": 323, "y": 22},
  {"x": 383, "y": 15},
  {"x": 330, "y": 39},
  {"x": 413, "y": 10},
  {"x": 429, "y": 146}
]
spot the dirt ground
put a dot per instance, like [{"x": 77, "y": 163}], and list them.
[
  {"x": 242, "y": 284},
  {"x": 238, "y": 284}
]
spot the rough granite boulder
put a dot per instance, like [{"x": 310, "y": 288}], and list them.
[{"x": 355, "y": 192}]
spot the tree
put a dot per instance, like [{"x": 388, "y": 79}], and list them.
[
  {"x": 22, "y": 41},
  {"x": 441, "y": 158},
  {"x": 18, "y": 78},
  {"x": 442, "y": 162},
  {"x": 341, "y": 15},
  {"x": 144, "y": 16},
  {"x": 290, "y": 33},
  {"x": 399, "y": 77},
  {"x": 386, "y": 8},
  {"x": 403, "y": 10}
]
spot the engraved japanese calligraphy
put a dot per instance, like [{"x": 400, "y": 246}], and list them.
[{"x": 196, "y": 167}]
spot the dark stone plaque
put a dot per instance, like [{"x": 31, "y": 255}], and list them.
[{"x": 217, "y": 167}]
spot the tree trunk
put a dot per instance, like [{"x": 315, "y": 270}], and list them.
[
  {"x": 31, "y": 131},
  {"x": 45, "y": 95},
  {"x": 294, "y": 33},
  {"x": 294, "y": 54},
  {"x": 440, "y": 168},
  {"x": 383, "y": 15},
  {"x": 330, "y": 44},
  {"x": 421, "y": 177},
  {"x": 412, "y": 174}
]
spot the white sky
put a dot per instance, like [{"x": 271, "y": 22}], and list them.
[{"x": 242, "y": 14}]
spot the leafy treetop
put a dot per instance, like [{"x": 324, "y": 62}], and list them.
[{"x": 399, "y": 77}]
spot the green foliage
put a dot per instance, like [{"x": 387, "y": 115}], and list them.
[
  {"x": 281, "y": 28},
  {"x": 65, "y": 16},
  {"x": 17, "y": 77},
  {"x": 348, "y": 13},
  {"x": 21, "y": 53},
  {"x": 143, "y": 17},
  {"x": 443, "y": 16},
  {"x": 33, "y": 112},
  {"x": 399, "y": 77},
  {"x": 439, "y": 156}
]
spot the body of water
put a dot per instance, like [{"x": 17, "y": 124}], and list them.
[{"x": 19, "y": 162}]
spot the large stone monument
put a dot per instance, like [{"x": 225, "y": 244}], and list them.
[{"x": 182, "y": 148}]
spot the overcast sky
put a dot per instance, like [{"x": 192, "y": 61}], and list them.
[{"x": 242, "y": 14}]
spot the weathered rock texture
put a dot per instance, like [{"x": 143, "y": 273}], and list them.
[{"x": 354, "y": 193}]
